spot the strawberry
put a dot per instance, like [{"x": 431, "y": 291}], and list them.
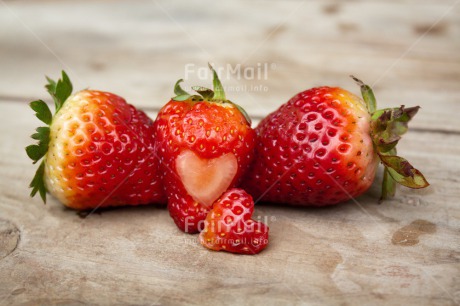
[
  {"x": 205, "y": 143},
  {"x": 229, "y": 226},
  {"x": 97, "y": 150},
  {"x": 323, "y": 146}
]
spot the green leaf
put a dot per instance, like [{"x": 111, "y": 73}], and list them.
[
  {"x": 368, "y": 95},
  {"x": 42, "y": 111},
  {"x": 403, "y": 172},
  {"x": 399, "y": 114},
  {"x": 38, "y": 183},
  {"x": 59, "y": 90},
  {"x": 178, "y": 89},
  {"x": 63, "y": 91},
  {"x": 388, "y": 186},
  {"x": 37, "y": 151},
  {"x": 388, "y": 183},
  {"x": 34, "y": 153},
  {"x": 43, "y": 134},
  {"x": 388, "y": 125},
  {"x": 51, "y": 86},
  {"x": 219, "y": 93},
  {"x": 206, "y": 93},
  {"x": 182, "y": 97}
]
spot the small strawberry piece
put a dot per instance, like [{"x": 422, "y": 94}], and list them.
[
  {"x": 229, "y": 226},
  {"x": 323, "y": 147},
  {"x": 205, "y": 143},
  {"x": 97, "y": 151}
]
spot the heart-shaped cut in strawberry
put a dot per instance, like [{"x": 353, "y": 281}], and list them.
[
  {"x": 229, "y": 226},
  {"x": 206, "y": 179}
]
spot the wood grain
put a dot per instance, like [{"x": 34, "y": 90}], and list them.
[
  {"x": 403, "y": 252},
  {"x": 408, "y": 50},
  {"x": 137, "y": 255}
]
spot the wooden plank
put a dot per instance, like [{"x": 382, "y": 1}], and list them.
[
  {"x": 409, "y": 49},
  {"x": 352, "y": 253},
  {"x": 405, "y": 251}
]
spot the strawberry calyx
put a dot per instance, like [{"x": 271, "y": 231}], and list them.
[
  {"x": 387, "y": 127},
  {"x": 215, "y": 95},
  {"x": 59, "y": 91}
]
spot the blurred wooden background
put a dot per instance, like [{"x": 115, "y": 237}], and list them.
[{"x": 405, "y": 251}]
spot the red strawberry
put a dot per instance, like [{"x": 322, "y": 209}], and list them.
[
  {"x": 229, "y": 226},
  {"x": 205, "y": 144},
  {"x": 323, "y": 146},
  {"x": 97, "y": 150}
]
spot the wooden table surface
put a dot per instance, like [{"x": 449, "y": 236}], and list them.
[{"x": 405, "y": 251}]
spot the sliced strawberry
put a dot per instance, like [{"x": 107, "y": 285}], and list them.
[
  {"x": 206, "y": 179},
  {"x": 205, "y": 143},
  {"x": 229, "y": 226}
]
